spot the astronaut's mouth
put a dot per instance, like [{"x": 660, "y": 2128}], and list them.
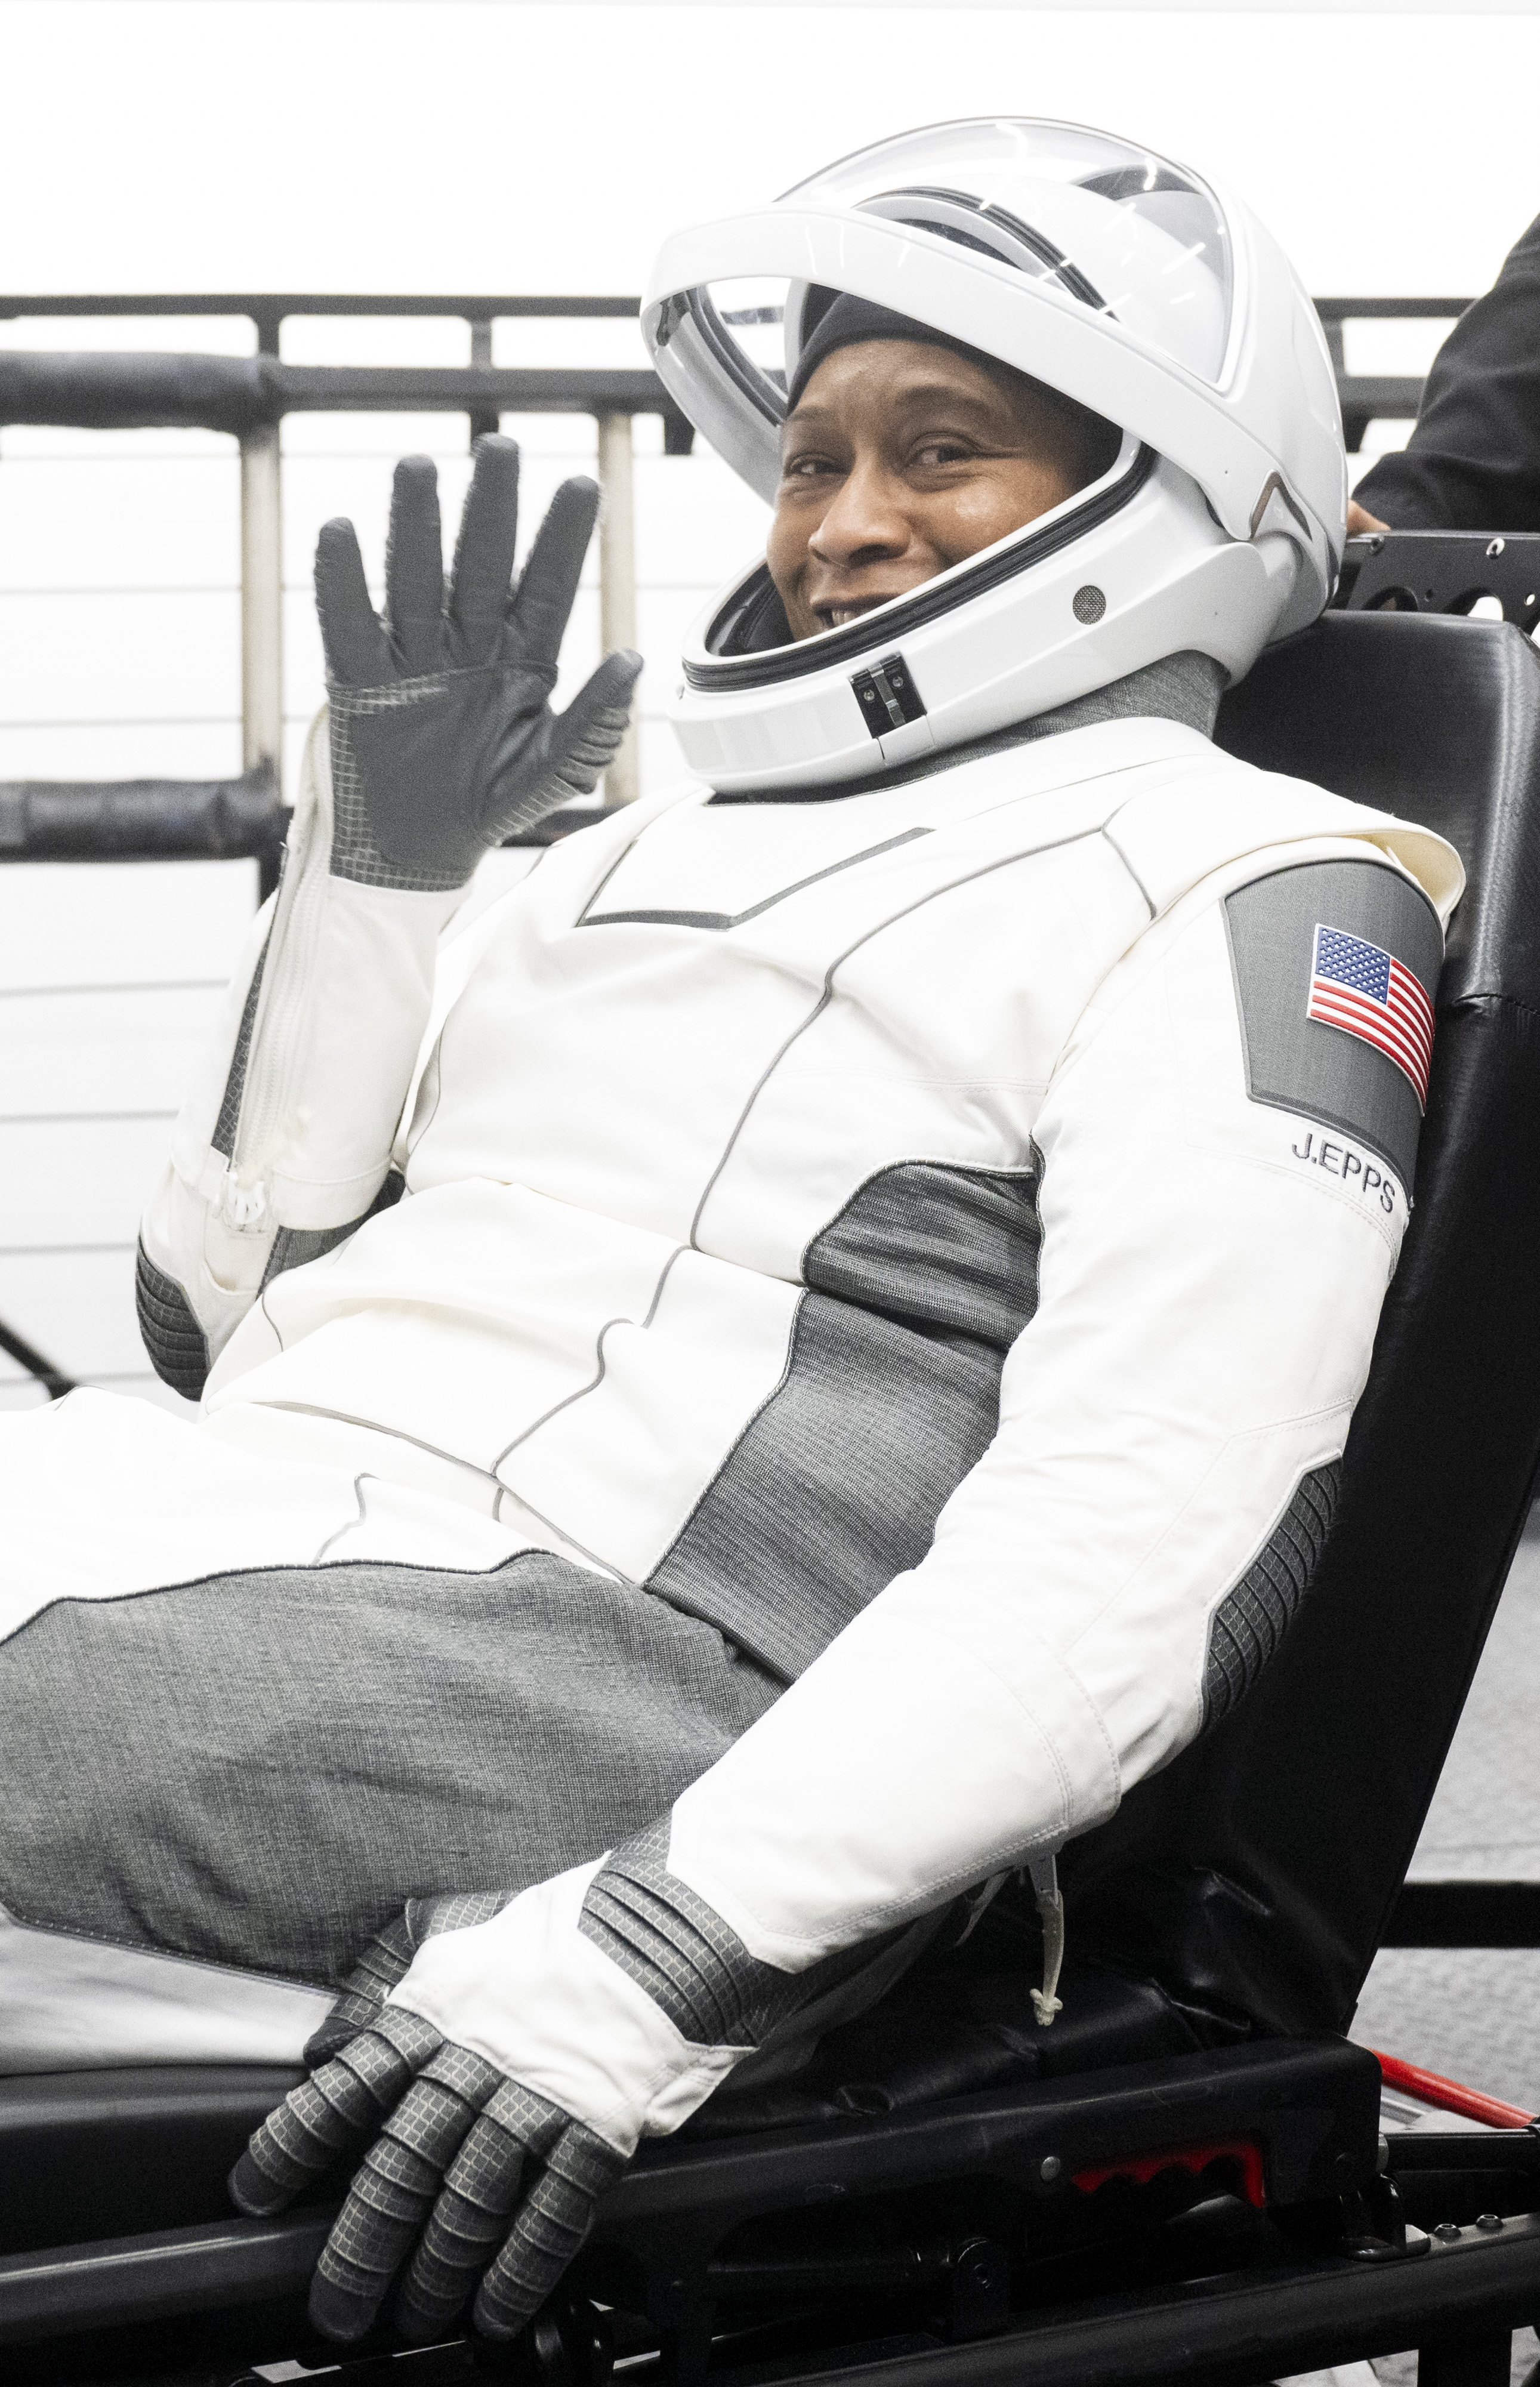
[{"x": 834, "y": 618}]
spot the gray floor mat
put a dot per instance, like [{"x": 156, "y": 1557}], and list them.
[{"x": 1475, "y": 2013}]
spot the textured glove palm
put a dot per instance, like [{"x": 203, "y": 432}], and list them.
[
  {"x": 616, "y": 1985},
  {"x": 443, "y": 740}
]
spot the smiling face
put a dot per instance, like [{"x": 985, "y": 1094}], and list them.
[{"x": 901, "y": 459}]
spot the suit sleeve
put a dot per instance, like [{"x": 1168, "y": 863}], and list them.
[
  {"x": 284, "y": 1144},
  {"x": 1472, "y": 461},
  {"x": 1225, "y": 1182}
]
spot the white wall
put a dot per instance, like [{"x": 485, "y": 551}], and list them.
[{"x": 468, "y": 146}]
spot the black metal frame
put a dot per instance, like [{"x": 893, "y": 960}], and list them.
[
  {"x": 1105, "y": 2230},
  {"x": 1444, "y": 571}
]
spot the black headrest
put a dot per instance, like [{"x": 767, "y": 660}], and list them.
[
  {"x": 1254, "y": 1877},
  {"x": 1433, "y": 716}
]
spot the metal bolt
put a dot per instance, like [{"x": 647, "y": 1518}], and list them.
[
  {"x": 1489, "y": 2221},
  {"x": 1049, "y": 2168},
  {"x": 1448, "y": 2232},
  {"x": 1496, "y": 546}
]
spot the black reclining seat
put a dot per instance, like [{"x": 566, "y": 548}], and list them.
[
  {"x": 1241, "y": 1895},
  {"x": 1255, "y": 1876}
]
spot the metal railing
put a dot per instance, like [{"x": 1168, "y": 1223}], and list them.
[
  {"x": 1371, "y": 397},
  {"x": 247, "y": 398}
]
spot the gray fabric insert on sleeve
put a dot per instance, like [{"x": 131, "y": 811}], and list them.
[
  {"x": 676, "y": 1947},
  {"x": 263, "y": 1769},
  {"x": 222, "y": 1141},
  {"x": 1298, "y": 1063},
  {"x": 295, "y": 1246},
  {"x": 890, "y": 1396},
  {"x": 690, "y": 1961},
  {"x": 1249, "y": 1622},
  {"x": 176, "y": 1343}
]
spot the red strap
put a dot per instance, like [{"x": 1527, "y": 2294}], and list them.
[{"x": 1451, "y": 2095}]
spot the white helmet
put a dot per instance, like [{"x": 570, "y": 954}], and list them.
[{"x": 1121, "y": 281}]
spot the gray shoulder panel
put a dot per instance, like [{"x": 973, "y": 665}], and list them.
[{"x": 1331, "y": 1073}]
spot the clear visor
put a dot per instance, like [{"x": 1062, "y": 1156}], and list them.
[{"x": 1115, "y": 227}]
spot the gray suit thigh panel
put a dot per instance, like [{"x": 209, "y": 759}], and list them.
[{"x": 260, "y": 1769}]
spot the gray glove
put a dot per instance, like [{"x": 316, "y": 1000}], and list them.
[
  {"x": 442, "y": 737},
  {"x": 476, "y": 2185},
  {"x": 387, "y": 1958}
]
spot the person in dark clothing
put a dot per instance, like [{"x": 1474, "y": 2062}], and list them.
[{"x": 1474, "y": 459}]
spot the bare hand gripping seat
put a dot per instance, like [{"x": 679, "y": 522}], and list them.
[{"x": 1220, "y": 1927}]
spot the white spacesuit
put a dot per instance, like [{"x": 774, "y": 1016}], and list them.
[{"x": 915, "y": 1200}]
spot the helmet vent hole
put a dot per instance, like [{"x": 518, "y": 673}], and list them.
[{"x": 1088, "y": 603}]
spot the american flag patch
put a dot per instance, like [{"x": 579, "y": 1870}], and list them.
[{"x": 1365, "y": 991}]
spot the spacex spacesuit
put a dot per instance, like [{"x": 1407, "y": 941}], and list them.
[{"x": 866, "y": 1260}]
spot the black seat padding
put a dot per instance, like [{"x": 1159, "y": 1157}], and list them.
[
  {"x": 102, "y": 2154},
  {"x": 1254, "y": 1877}
]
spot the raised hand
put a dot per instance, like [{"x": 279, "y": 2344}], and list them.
[{"x": 443, "y": 740}]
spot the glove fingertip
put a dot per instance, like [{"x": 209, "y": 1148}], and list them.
[
  {"x": 422, "y": 2317},
  {"x": 329, "y": 2040},
  {"x": 338, "y": 560},
  {"x": 573, "y": 510},
  {"x": 339, "y": 2313},
  {"x": 495, "y": 451},
  {"x": 254, "y": 2191},
  {"x": 495, "y": 2321}
]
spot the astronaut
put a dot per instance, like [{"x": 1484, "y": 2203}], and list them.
[{"x": 757, "y": 1387}]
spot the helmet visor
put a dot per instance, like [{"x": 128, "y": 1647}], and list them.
[{"x": 1102, "y": 221}]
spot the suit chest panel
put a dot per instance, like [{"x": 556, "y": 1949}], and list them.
[{"x": 909, "y": 992}]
